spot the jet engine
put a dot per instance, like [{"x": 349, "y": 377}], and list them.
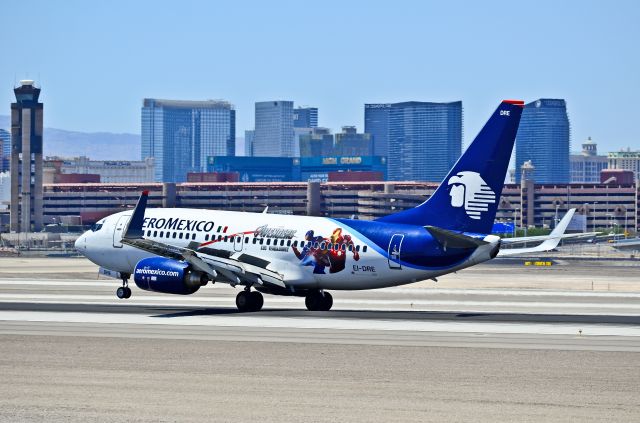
[{"x": 168, "y": 276}]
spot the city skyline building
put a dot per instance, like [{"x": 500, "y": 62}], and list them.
[
  {"x": 318, "y": 143},
  {"x": 626, "y": 160},
  {"x": 249, "y": 134},
  {"x": 350, "y": 143},
  {"x": 586, "y": 166},
  {"x": 26, "y": 159},
  {"x": 181, "y": 134},
  {"x": 305, "y": 117},
  {"x": 425, "y": 140},
  {"x": 376, "y": 123},
  {"x": 544, "y": 138},
  {"x": 5, "y": 150},
  {"x": 109, "y": 171},
  {"x": 274, "y": 134}
]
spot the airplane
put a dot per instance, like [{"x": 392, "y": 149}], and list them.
[{"x": 177, "y": 251}]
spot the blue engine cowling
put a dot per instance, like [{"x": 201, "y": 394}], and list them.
[{"x": 168, "y": 276}]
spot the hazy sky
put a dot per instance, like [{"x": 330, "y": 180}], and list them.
[{"x": 97, "y": 60}]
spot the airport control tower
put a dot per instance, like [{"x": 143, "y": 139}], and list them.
[{"x": 26, "y": 159}]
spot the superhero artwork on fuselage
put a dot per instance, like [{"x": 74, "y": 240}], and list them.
[{"x": 320, "y": 252}]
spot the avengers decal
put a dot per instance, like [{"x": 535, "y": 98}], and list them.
[{"x": 320, "y": 252}]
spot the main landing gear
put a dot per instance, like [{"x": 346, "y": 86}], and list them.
[
  {"x": 124, "y": 291},
  {"x": 249, "y": 300},
  {"x": 318, "y": 301}
]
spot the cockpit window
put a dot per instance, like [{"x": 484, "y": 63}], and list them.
[{"x": 96, "y": 227}]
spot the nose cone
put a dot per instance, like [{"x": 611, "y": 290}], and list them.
[{"x": 81, "y": 244}]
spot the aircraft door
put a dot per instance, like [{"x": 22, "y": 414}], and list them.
[
  {"x": 118, "y": 231},
  {"x": 238, "y": 242},
  {"x": 395, "y": 247}
]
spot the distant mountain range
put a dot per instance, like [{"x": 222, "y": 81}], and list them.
[{"x": 95, "y": 145}]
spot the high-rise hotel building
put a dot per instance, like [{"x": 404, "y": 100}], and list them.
[
  {"x": 180, "y": 135},
  {"x": 424, "y": 140},
  {"x": 544, "y": 139}
]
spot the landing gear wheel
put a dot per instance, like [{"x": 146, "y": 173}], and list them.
[
  {"x": 318, "y": 301},
  {"x": 124, "y": 291},
  {"x": 327, "y": 302},
  {"x": 249, "y": 301},
  {"x": 121, "y": 293},
  {"x": 257, "y": 301}
]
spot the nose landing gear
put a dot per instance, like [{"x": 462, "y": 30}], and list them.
[{"x": 124, "y": 291}]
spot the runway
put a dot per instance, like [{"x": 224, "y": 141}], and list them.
[
  {"x": 71, "y": 351},
  {"x": 541, "y": 319}
]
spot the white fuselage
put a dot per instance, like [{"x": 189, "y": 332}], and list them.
[{"x": 357, "y": 263}]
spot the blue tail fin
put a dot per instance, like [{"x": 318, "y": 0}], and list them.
[{"x": 468, "y": 198}]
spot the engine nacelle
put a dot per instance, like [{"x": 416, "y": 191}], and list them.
[{"x": 168, "y": 276}]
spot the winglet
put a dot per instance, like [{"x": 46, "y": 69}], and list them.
[
  {"x": 134, "y": 227},
  {"x": 558, "y": 231}
]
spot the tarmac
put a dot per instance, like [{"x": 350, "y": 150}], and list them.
[{"x": 498, "y": 342}]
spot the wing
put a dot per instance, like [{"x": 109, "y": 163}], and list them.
[
  {"x": 221, "y": 265},
  {"x": 550, "y": 241}
]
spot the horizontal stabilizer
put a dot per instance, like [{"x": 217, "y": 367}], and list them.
[{"x": 449, "y": 239}]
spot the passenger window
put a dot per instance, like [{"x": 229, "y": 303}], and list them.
[
  {"x": 155, "y": 234},
  {"x": 246, "y": 240},
  {"x": 344, "y": 247},
  {"x": 350, "y": 247},
  {"x": 148, "y": 233},
  {"x": 364, "y": 249},
  {"x": 268, "y": 241},
  {"x": 219, "y": 237},
  {"x": 295, "y": 243},
  {"x": 168, "y": 235},
  {"x": 225, "y": 238},
  {"x": 358, "y": 248},
  {"x": 288, "y": 243},
  {"x": 261, "y": 241},
  {"x": 255, "y": 240},
  {"x": 174, "y": 235},
  {"x": 193, "y": 236},
  {"x": 315, "y": 245},
  {"x": 180, "y": 235},
  {"x": 282, "y": 242},
  {"x": 238, "y": 239},
  {"x": 161, "y": 234},
  {"x": 206, "y": 237},
  {"x": 323, "y": 246}
]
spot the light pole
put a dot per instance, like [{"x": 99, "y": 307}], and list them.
[
  {"x": 625, "y": 222},
  {"x": 515, "y": 222},
  {"x": 594, "y": 215}
]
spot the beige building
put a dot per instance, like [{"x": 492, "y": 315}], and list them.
[{"x": 627, "y": 160}]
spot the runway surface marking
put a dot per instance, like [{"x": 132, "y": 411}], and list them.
[
  {"x": 467, "y": 306},
  {"x": 397, "y": 290},
  {"x": 323, "y": 323}
]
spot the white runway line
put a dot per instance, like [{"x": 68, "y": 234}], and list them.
[
  {"x": 397, "y": 290},
  {"x": 153, "y": 300},
  {"x": 320, "y": 323}
]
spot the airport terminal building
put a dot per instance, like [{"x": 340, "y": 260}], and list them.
[{"x": 601, "y": 206}]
